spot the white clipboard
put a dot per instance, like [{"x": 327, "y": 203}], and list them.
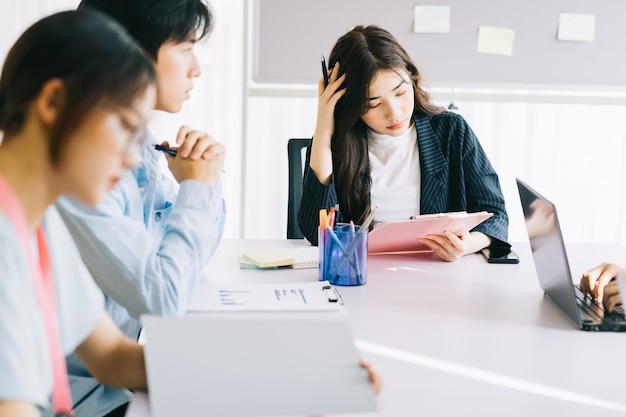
[{"x": 292, "y": 296}]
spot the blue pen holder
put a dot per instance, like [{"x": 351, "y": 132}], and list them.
[{"x": 343, "y": 255}]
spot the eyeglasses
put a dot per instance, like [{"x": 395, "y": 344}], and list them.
[
  {"x": 136, "y": 133},
  {"x": 135, "y": 142}
]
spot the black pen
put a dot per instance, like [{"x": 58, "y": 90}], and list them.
[
  {"x": 165, "y": 149},
  {"x": 170, "y": 151},
  {"x": 324, "y": 72}
]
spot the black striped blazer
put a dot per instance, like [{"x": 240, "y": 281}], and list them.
[{"x": 456, "y": 175}]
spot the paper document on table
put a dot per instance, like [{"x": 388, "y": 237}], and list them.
[{"x": 302, "y": 296}]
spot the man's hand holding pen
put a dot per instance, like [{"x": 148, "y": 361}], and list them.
[{"x": 200, "y": 157}]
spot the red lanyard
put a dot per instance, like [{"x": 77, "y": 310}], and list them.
[{"x": 46, "y": 296}]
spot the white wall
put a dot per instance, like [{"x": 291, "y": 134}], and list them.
[
  {"x": 570, "y": 147},
  {"x": 216, "y": 101}
]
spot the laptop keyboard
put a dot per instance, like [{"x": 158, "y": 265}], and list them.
[{"x": 589, "y": 306}]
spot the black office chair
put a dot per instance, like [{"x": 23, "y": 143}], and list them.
[{"x": 296, "y": 170}]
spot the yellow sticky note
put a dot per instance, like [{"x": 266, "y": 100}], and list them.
[
  {"x": 270, "y": 258},
  {"x": 495, "y": 40}
]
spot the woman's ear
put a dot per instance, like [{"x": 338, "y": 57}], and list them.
[{"x": 50, "y": 102}]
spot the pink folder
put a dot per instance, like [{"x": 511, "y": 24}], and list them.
[{"x": 404, "y": 235}]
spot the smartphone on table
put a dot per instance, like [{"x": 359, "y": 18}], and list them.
[{"x": 500, "y": 255}]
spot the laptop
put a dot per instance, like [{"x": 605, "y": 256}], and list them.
[
  {"x": 244, "y": 364},
  {"x": 553, "y": 271}
]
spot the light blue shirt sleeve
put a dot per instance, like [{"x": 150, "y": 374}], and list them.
[{"x": 147, "y": 243}]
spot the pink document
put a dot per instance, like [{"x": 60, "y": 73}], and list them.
[{"x": 404, "y": 235}]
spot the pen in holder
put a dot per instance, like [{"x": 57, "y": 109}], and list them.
[{"x": 343, "y": 255}]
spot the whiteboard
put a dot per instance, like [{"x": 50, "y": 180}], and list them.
[{"x": 290, "y": 35}]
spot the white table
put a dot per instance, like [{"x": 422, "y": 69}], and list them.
[{"x": 465, "y": 338}]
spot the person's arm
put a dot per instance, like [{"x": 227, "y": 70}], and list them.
[
  {"x": 481, "y": 188},
  {"x": 317, "y": 186},
  {"x": 146, "y": 271},
  {"x": 143, "y": 271},
  {"x": 321, "y": 158},
  {"x": 18, "y": 409},
  {"x": 315, "y": 196},
  {"x": 112, "y": 358},
  {"x": 450, "y": 247}
]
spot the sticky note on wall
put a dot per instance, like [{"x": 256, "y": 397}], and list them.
[
  {"x": 576, "y": 27},
  {"x": 495, "y": 40},
  {"x": 431, "y": 19}
]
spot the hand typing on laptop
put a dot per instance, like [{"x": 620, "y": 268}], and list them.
[
  {"x": 599, "y": 282},
  {"x": 612, "y": 296},
  {"x": 554, "y": 273}
]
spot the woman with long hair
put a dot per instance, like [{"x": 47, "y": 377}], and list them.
[{"x": 380, "y": 142}]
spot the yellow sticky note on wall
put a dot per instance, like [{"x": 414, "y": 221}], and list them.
[{"x": 495, "y": 40}]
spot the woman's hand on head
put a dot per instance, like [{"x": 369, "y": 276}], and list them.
[
  {"x": 327, "y": 100},
  {"x": 321, "y": 155}
]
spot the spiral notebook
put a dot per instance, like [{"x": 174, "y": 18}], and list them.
[{"x": 295, "y": 258}]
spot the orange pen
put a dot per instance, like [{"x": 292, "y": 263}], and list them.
[{"x": 323, "y": 218}]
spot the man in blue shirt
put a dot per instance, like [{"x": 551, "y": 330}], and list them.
[{"x": 147, "y": 242}]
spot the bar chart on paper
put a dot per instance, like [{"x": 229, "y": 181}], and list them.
[{"x": 313, "y": 296}]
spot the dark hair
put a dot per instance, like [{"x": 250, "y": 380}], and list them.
[
  {"x": 93, "y": 57},
  {"x": 155, "y": 22},
  {"x": 361, "y": 53}
]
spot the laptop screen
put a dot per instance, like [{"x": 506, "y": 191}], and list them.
[{"x": 548, "y": 248}]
